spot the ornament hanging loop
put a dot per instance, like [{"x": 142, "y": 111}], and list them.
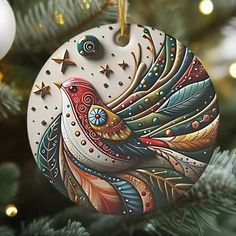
[
  {"x": 122, "y": 37},
  {"x": 122, "y": 12}
]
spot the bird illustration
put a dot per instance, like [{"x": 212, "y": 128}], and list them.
[{"x": 140, "y": 151}]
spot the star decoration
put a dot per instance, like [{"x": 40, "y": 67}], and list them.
[
  {"x": 106, "y": 70},
  {"x": 65, "y": 61},
  {"x": 123, "y": 65},
  {"x": 43, "y": 90}
]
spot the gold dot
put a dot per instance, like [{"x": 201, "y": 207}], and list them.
[
  {"x": 168, "y": 132},
  {"x": 146, "y": 100},
  {"x": 77, "y": 133},
  {"x": 11, "y": 210},
  {"x": 83, "y": 142},
  {"x": 84, "y": 38}
]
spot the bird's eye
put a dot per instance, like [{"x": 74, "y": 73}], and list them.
[{"x": 73, "y": 89}]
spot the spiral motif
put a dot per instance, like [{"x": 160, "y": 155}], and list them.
[
  {"x": 93, "y": 135},
  {"x": 88, "y": 46},
  {"x": 76, "y": 100},
  {"x": 82, "y": 108},
  {"x": 88, "y": 99}
]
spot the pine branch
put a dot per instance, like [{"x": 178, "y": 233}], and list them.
[
  {"x": 178, "y": 14},
  {"x": 72, "y": 229},
  {"x": 38, "y": 227},
  {"x": 54, "y": 20},
  {"x": 9, "y": 100},
  {"x": 9, "y": 174},
  {"x": 6, "y": 231},
  {"x": 44, "y": 226}
]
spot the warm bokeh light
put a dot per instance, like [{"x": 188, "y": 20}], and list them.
[
  {"x": 206, "y": 7},
  {"x": 59, "y": 18},
  {"x": 11, "y": 210},
  {"x": 1, "y": 76},
  {"x": 232, "y": 70}
]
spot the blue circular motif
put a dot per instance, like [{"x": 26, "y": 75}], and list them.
[{"x": 97, "y": 116}]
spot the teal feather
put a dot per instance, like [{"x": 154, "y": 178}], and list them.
[
  {"x": 187, "y": 99},
  {"x": 48, "y": 153}
]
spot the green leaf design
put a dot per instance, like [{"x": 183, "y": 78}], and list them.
[
  {"x": 170, "y": 183},
  {"x": 9, "y": 182},
  {"x": 48, "y": 154},
  {"x": 186, "y": 99}
]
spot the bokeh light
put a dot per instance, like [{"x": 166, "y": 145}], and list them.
[
  {"x": 232, "y": 70},
  {"x": 206, "y": 7},
  {"x": 11, "y": 210}
]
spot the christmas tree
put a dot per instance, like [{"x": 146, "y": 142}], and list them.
[{"x": 29, "y": 205}]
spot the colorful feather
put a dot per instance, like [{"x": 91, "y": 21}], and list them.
[{"x": 48, "y": 152}]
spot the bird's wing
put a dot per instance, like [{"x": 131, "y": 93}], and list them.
[
  {"x": 116, "y": 134},
  {"x": 107, "y": 124},
  {"x": 172, "y": 103}
]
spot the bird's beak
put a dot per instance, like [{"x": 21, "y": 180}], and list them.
[{"x": 58, "y": 84}]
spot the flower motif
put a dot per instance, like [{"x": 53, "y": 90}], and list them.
[{"x": 97, "y": 116}]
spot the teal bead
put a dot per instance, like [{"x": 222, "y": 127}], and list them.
[
  {"x": 146, "y": 31},
  {"x": 155, "y": 120},
  {"x": 88, "y": 45}
]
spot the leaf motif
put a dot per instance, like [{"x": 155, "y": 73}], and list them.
[
  {"x": 48, "y": 154},
  {"x": 75, "y": 192},
  {"x": 186, "y": 99},
  {"x": 184, "y": 165},
  {"x": 123, "y": 187},
  {"x": 171, "y": 185},
  {"x": 48, "y": 150},
  {"x": 195, "y": 141},
  {"x": 71, "y": 186},
  {"x": 101, "y": 193},
  {"x": 129, "y": 192}
]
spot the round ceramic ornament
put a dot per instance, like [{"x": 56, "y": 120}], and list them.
[{"x": 123, "y": 129}]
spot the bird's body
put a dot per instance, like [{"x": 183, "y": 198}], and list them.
[{"x": 111, "y": 146}]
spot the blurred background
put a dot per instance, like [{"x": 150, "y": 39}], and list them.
[{"x": 208, "y": 27}]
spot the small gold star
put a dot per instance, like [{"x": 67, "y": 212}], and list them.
[
  {"x": 65, "y": 61},
  {"x": 123, "y": 65},
  {"x": 106, "y": 70},
  {"x": 42, "y": 90}
]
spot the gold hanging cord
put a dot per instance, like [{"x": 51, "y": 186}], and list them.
[{"x": 122, "y": 11}]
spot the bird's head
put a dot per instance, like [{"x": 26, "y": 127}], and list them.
[
  {"x": 70, "y": 87},
  {"x": 78, "y": 91}
]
